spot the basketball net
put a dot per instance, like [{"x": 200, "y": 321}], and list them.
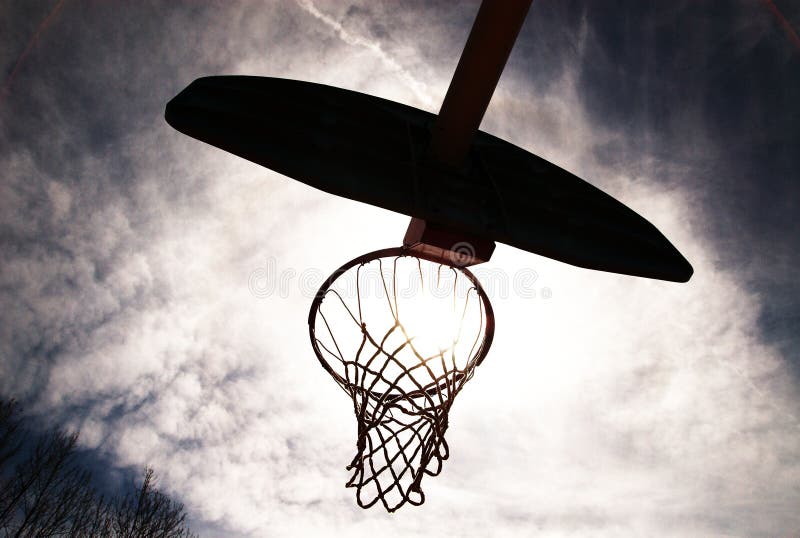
[{"x": 401, "y": 336}]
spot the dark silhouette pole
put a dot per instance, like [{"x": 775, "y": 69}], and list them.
[{"x": 489, "y": 44}]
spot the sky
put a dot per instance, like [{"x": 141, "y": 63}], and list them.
[{"x": 155, "y": 290}]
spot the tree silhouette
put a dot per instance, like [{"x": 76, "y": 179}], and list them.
[{"x": 44, "y": 492}]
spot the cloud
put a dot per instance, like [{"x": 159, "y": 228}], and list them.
[
  {"x": 374, "y": 46},
  {"x": 615, "y": 406}
]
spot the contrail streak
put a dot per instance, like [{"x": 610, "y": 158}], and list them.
[
  {"x": 34, "y": 39},
  {"x": 787, "y": 28},
  {"x": 420, "y": 89}
]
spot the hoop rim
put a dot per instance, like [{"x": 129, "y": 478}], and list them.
[{"x": 396, "y": 252}]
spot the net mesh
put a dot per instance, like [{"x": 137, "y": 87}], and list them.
[{"x": 401, "y": 336}]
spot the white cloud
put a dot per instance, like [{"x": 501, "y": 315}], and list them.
[{"x": 618, "y": 406}]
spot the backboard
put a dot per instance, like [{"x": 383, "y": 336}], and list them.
[{"x": 375, "y": 151}]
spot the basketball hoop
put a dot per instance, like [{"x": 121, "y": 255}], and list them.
[
  {"x": 402, "y": 330},
  {"x": 401, "y": 335}
]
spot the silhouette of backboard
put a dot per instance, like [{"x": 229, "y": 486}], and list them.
[{"x": 375, "y": 151}]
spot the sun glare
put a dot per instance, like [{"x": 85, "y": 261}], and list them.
[{"x": 431, "y": 320}]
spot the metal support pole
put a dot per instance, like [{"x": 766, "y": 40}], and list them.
[{"x": 489, "y": 44}]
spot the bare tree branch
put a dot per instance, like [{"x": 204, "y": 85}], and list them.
[{"x": 46, "y": 493}]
